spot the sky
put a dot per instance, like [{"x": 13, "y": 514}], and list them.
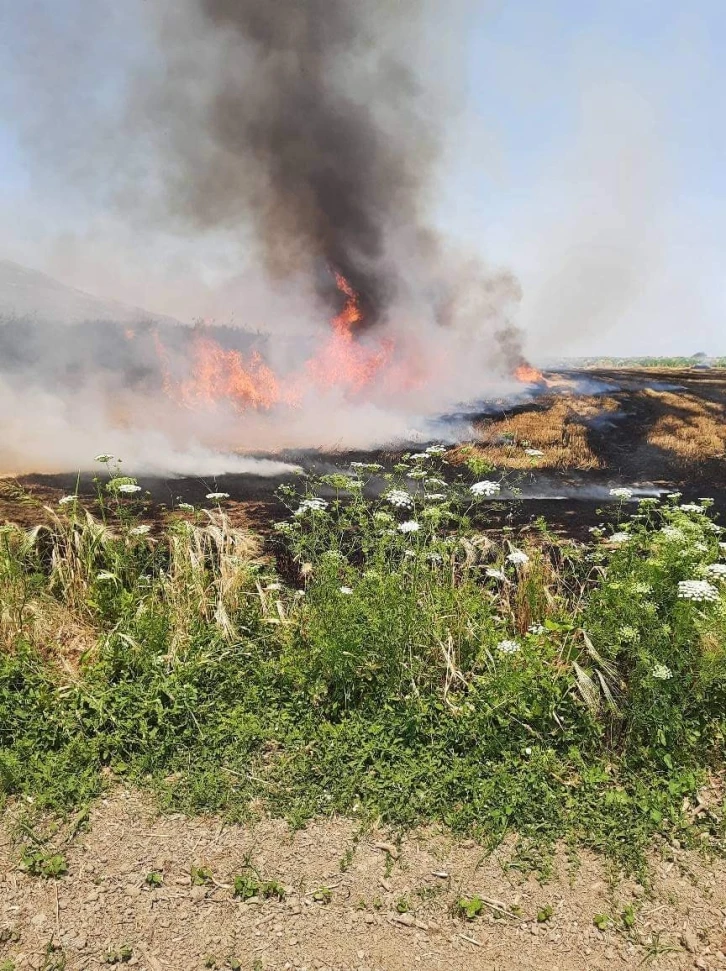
[{"x": 585, "y": 153}]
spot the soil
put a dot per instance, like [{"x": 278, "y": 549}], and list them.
[{"x": 104, "y": 903}]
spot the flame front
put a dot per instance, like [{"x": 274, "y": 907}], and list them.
[
  {"x": 528, "y": 374},
  {"x": 218, "y": 375}
]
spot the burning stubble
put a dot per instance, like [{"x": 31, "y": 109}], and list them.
[{"x": 309, "y": 133}]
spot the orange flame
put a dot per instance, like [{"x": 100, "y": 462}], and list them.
[
  {"x": 529, "y": 375},
  {"x": 218, "y": 375}
]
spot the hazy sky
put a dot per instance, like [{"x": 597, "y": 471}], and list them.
[{"x": 587, "y": 155}]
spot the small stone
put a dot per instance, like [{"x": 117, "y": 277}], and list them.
[
  {"x": 133, "y": 890},
  {"x": 38, "y": 920},
  {"x": 689, "y": 941},
  {"x": 198, "y": 893}
]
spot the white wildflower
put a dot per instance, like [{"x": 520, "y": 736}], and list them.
[
  {"x": 436, "y": 449},
  {"x": 508, "y": 647},
  {"x": 410, "y": 526},
  {"x": 517, "y": 557},
  {"x": 436, "y": 496},
  {"x": 128, "y": 488},
  {"x": 105, "y": 575},
  {"x": 618, "y": 538},
  {"x": 346, "y": 590},
  {"x": 672, "y": 532},
  {"x": 485, "y": 488},
  {"x": 717, "y": 570},
  {"x": 700, "y": 548},
  {"x": 621, "y": 493},
  {"x": 410, "y": 554},
  {"x": 366, "y": 466},
  {"x": 700, "y": 591},
  {"x": 420, "y": 456},
  {"x": 691, "y": 507},
  {"x": 674, "y": 496},
  {"x": 104, "y": 457},
  {"x": 535, "y": 629},
  {"x": 399, "y": 498},
  {"x": 141, "y": 530},
  {"x": 662, "y": 672},
  {"x": 217, "y": 495},
  {"x": 67, "y": 500},
  {"x": 273, "y": 586},
  {"x": 314, "y": 504},
  {"x": 186, "y": 506},
  {"x": 418, "y": 474},
  {"x": 496, "y": 574},
  {"x": 435, "y": 558},
  {"x": 436, "y": 482},
  {"x": 534, "y": 452}
]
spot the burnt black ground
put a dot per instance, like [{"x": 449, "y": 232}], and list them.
[{"x": 569, "y": 500}]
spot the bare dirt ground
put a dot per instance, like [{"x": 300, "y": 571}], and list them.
[{"x": 352, "y": 902}]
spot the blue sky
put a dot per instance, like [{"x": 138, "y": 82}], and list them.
[{"x": 587, "y": 156}]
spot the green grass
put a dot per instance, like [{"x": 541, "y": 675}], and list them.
[{"x": 399, "y": 676}]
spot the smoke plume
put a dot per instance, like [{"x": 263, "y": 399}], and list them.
[{"x": 307, "y": 135}]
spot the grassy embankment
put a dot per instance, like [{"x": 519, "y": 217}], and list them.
[{"x": 387, "y": 659}]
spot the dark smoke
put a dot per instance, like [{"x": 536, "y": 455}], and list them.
[
  {"x": 316, "y": 121},
  {"x": 311, "y": 126}
]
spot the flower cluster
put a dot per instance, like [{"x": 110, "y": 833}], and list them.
[
  {"x": 67, "y": 500},
  {"x": 399, "y": 498},
  {"x": 672, "y": 532},
  {"x": 508, "y": 647},
  {"x": 217, "y": 496},
  {"x": 717, "y": 570},
  {"x": 691, "y": 507},
  {"x": 517, "y": 557},
  {"x": 366, "y": 466},
  {"x": 410, "y": 526},
  {"x": 662, "y": 672},
  {"x": 485, "y": 488},
  {"x": 436, "y": 449},
  {"x": 141, "y": 530},
  {"x": 621, "y": 493},
  {"x": 700, "y": 591},
  {"x": 618, "y": 538},
  {"x": 128, "y": 488},
  {"x": 311, "y": 505}
]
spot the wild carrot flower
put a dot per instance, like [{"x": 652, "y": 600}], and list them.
[
  {"x": 662, "y": 672},
  {"x": 128, "y": 488},
  {"x": 701, "y": 591},
  {"x": 67, "y": 500},
  {"x": 621, "y": 493},
  {"x": 217, "y": 496},
  {"x": 517, "y": 557},
  {"x": 311, "y": 505},
  {"x": 496, "y": 574},
  {"x": 186, "y": 506},
  {"x": 508, "y": 647},
  {"x": 399, "y": 498},
  {"x": 618, "y": 538},
  {"x": 410, "y": 526},
  {"x": 717, "y": 570},
  {"x": 485, "y": 488},
  {"x": 436, "y": 449},
  {"x": 104, "y": 457},
  {"x": 691, "y": 507},
  {"x": 346, "y": 590}
]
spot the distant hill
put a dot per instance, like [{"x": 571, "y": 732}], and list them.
[{"x": 26, "y": 293}]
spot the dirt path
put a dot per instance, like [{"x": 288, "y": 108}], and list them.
[{"x": 104, "y": 903}]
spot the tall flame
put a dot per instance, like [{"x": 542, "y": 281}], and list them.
[{"x": 219, "y": 375}]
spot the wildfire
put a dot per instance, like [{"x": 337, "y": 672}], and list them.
[
  {"x": 219, "y": 375},
  {"x": 528, "y": 374}
]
